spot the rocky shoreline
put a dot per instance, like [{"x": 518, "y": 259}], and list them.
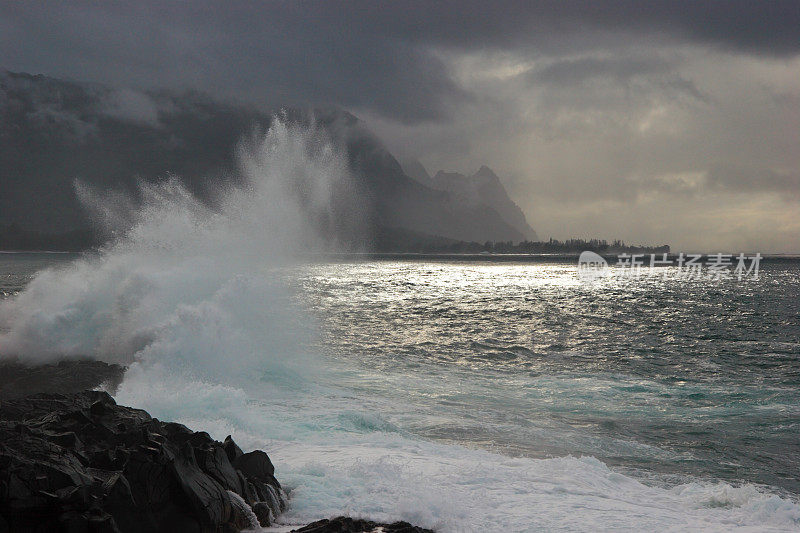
[
  {"x": 78, "y": 462},
  {"x": 81, "y": 462},
  {"x": 64, "y": 377}
]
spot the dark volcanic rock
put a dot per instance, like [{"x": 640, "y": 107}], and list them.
[
  {"x": 344, "y": 524},
  {"x": 18, "y": 380},
  {"x": 80, "y": 462}
]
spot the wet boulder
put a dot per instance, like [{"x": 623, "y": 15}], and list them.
[
  {"x": 345, "y": 524},
  {"x": 80, "y": 462}
]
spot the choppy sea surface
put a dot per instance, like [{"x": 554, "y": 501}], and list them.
[{"x": 481, "y": 395}]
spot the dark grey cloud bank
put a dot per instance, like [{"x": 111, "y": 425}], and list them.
[
  {"x": 596, "y": 114},
  {"x": 354, "y": 53}
]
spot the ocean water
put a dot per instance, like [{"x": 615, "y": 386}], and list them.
[
  {"x": 504, "y": 396},
  {"x": 459, "y": 395}
]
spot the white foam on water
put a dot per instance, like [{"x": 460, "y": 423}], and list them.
[
  {"x": 193, "y": 300},
  {"x": 331, "y": 467}
]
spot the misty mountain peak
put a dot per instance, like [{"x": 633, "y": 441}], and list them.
[
  {"x": 484, "y": 188},
  {"x": 416, "y": 170},
  {"x": 487, "y": 172}
]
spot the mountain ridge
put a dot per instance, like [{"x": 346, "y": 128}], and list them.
[
  {"x": 484, "y": 186},
  {"x": 53, "y": 132}
]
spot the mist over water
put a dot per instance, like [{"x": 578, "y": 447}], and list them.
[
  {"x": 179, "y": 263},
  {"x": 395, "y": 391}
]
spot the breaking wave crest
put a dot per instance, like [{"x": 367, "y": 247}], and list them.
[{"x": 182, "y": 272}]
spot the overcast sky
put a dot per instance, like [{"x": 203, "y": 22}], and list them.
[{"x": 659, "y": 122}]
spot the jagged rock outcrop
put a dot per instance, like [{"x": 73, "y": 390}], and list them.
[
  {"x": 344, "y": 524},
  {"x": 80, "y": 462},
  {"x": 18, "y": 379}
]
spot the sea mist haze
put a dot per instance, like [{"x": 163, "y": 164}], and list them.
[{"x": 459, "y": 395}]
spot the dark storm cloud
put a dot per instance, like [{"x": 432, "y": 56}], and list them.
[
  {"x": 269, "y": 53},
  {"x": 367, "y": 55}
]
